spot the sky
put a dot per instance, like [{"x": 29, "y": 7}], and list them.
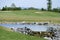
[{"x": 30, "y": 3}]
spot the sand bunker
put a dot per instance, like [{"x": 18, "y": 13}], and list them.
[
  {"x": 5, "y": 11},
  {"x": 38, "y": 12}
]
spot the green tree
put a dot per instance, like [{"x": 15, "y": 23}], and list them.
[
  {"x": 42, "y": 9},
  {"x": 32, "y": 8},
  {"x": 3, "y": 8},
  {"x": 49, "y": 5},
  {"x": 56, "y": 10}
]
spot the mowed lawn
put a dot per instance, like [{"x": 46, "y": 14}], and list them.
[
  {"x": 8, "y": 35},
  {"x": 30, "y": 16}
]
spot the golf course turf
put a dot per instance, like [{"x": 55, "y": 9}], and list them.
[{"x": 30, "y": 16}]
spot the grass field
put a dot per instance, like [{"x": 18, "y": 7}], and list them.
[
  {"x": 30, "y": 16},
  {"x": 8, "y": 35}
]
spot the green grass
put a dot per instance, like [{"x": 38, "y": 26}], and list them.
[
  {"x": 8, "y": 35},
  {"x": 30, "y": 16}
]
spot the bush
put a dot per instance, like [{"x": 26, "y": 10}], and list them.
[{"x": 56, "y": 10}]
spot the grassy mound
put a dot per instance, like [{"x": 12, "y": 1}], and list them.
[{"x": 8, "y": 35}]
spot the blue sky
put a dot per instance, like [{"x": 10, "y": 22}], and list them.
[{"x": 30, "y": 3}]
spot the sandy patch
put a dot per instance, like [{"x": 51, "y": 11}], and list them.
[
  {"x": 5, "y": 11},
  {"x": 38, "y": 12}
]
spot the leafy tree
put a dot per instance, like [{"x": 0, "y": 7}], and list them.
[
  {"x": 3, "y": 9},
  {"x": 56, "y": 10},
  {"x": 32, "y": 8},
  {"x": 25, "y": 9},
  {"x": 13, "y": 7},
  {"x": 42, "y": 9},
  {"x": 49, "y": 5}
]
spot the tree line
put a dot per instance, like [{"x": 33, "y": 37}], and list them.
[
  {"x": 31, "y": 8},
  {"x": 49, "y": 8}
]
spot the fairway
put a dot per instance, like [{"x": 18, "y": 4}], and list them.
[{"x": 29, "y": 16}]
